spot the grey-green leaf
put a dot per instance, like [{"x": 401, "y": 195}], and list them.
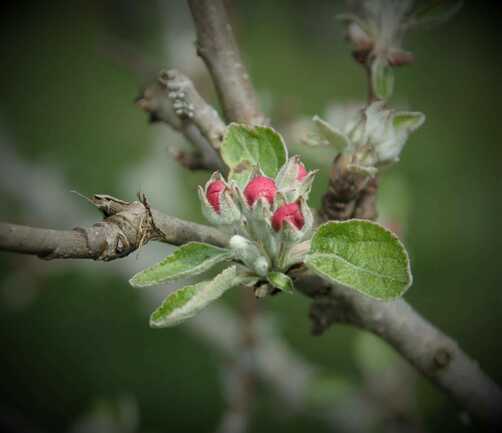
[
  {"x": 281, "y": 281},
  {"x": 188, "y": 301},
  {"x": 190, "y": 259},
  {"x": 407, "y": 121},
  {"x": 335, "y": 138},
  {"x": 361, "y": 255},
  {"x": 382, "y": 78},
  {"x": 245, "y": 147}
]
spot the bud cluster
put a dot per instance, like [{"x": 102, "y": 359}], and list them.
[
  {"x": 266, "y": 216},
  {"x": 376, "y": 28}
]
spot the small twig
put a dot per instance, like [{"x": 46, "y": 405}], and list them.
[
  {"x": 177, "y": 103},
  {"x": 190, "y": 106}
]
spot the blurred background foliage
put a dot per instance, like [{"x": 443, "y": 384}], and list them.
[{"x": 74, "y": 336}]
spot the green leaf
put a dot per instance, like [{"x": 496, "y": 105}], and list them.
[
  {"x": 188, "y": 301},
  {"x": 382, "y": 78},
  {"x": 335, "y": 138},
  {"x": 245, "y": 147},
  {"x": 361, "y": 255},
  {"x": 190, "y": 259},
  {"x": 281, "y": 281},
  {"x": 407, "y": 121}
]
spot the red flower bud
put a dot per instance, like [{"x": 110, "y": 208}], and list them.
[
  {"x": 288, "y": 212},
  {"x": 302, "y": 172},
  {"x": 260, "y": 186},
  {"x": 213, "y": 194}
]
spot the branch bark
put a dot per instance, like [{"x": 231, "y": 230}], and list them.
[
  {"x": 217, "y": 46},
  {"x": 125, "y": 228},
  {"x": 173, "y": 99},
  {"x": 434, "y": 354}
]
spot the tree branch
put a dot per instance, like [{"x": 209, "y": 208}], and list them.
[
  {"x": 173, "y": 99},
  {"x": 125, "y": 228},
  {"x": 188, "y": 104},
  {"x": 433, "y": 353},
  {"x": 217, "y": 46}
]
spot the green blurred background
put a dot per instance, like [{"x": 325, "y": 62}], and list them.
[{"x": 74, "y": 337}]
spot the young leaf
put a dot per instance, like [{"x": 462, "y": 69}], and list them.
[
  {"x": 335, "y": 138},
  {"x": 382, "y": 78},
  {"x": 407, "y": 121},
  {"x": 281, "y": 281},
  {"x": 188, "y": 301},
  {"x": 361, "y": 255},
  {"x": 245, "y": 147},
  {"x": 190, "y": 259}
]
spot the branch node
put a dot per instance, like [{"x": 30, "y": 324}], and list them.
[{"x": 442, "y": 358}]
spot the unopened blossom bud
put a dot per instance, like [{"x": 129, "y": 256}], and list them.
[
  {"x": 213, "y": 194},
  {"x": 249, "y": 253},
  {"x": 288, "y": 212},
  {"x": 260, "y": 186},
  {"x": 218, "y": 202},
  {"x": 302, "y": 172}
]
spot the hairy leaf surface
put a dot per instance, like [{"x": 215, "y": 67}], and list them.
[
  {"x": 190, "y": 259},
  {"x": 245, "y": 147},
  {"x": 188, "y": 301},
  {"x": 362, "y": 255}
]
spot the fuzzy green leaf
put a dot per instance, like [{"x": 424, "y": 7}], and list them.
[
  {"x": 188, "y": 301},
  {"x": 245, "y": 147},
  {"x": 190, "y": 259},
  {"x": 361, "y": 255},
  {"x": 407, "y": 121},
  {"x": 281, "y": 281},
  {"x": 382, "y": 78},
  {"x": 335, "y": 138}
]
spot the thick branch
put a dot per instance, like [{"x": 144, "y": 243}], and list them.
[
  {"x": 430, "y": 351},
  {"x": 217, "y": 46},
  {"x": 45, "y": 243},
  {"x": 126, "y": 227}
]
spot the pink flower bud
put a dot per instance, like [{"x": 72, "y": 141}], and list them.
[
  {"x": 213, "y": 194},
  {"x": 260, "y": 186},
  {"x": 288, "y": 212},
  {"x": 302, "y": 172}
]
